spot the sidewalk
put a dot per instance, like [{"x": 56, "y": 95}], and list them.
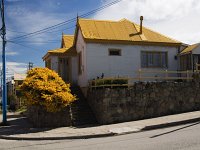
[{"x": 20, "y": 129}]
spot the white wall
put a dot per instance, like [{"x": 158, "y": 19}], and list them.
[
  {"x": 81, "y": 47},
  {"x": 54, "y": 63},
  {"x": 98, "y": 60}
]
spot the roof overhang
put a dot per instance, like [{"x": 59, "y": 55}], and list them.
[{"x": 132, "y": 42}]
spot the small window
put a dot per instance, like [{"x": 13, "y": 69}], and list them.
[{"x": 114, "y": 52}]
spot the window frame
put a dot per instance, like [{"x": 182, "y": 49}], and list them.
[
  {"x": 114, "y": 50},
  {"x": 153, "y": 53}
]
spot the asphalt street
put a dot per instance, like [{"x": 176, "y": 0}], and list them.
[{"x": 184, "y": 137}]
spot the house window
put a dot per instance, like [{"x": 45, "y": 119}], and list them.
[
  {"x": 153, "y": 59},
  {"x": 114, "y": 52},
  {"x": 79, "y": 63}
]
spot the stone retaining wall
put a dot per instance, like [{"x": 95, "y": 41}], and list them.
[
  {"x": 42, "y": 119},
  {"x": 144, "y": 100}
]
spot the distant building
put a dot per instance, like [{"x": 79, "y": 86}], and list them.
[{"x": 13, "y": 89}]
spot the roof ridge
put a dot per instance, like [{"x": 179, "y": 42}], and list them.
[
  {"x": 97, "y": 20},
  {"x": 124, "y": 19}
]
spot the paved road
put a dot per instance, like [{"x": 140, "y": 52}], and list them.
[{"x": 185, "y": 137}]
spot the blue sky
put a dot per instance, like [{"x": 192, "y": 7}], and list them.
[{"x": 178, "y": 19}]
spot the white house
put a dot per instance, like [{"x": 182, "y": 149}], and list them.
[
  {"x": 64, "y": 60},
  {"x": 115, "y": 48}
]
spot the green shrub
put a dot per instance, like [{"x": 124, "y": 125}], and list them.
[{"x": 117, "y": 81}]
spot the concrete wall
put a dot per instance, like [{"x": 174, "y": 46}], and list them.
[
  {"x": 99, "y": 61},
  {"x": 144, "y": 100}
]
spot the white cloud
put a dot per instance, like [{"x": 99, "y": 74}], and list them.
[
  {"x": 10, "y": 53},
  {"x": 29, "y": 22},
  {"x": 13, "y": 0},
  {"x": 177, "y": 19},
  {"x": 15, "y": 67}
]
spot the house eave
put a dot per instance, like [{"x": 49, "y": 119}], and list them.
[{"x": 132, "y": 42}]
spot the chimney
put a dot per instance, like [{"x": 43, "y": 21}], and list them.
[{"x": 141, "y": 19}]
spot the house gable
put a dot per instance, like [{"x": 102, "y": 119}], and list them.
[{"x": 66, "y": 48}]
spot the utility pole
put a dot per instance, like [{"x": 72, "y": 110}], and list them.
[
  {"x": 1, "y": 74},
  {"x": 3, "y": 36},
  {"x": 30, "y": 66}
]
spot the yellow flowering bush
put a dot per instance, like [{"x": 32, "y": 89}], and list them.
[{"x": 44, "y": 87}]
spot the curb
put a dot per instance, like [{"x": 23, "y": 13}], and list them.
[
  {"x": 57, "y": 138},
  {"x": 146, "y": 128},
  {"x": 160, "y": 126}
]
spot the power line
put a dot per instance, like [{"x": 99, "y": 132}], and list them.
[
  {"x": 22, "y": 45},
  {"x": 15, "y": 31},
  {"x": 22, "y": 63},
  {"x": 10, "y": 67},
  {"x": 66, "y": 22},
  {"x": 44, "y": 32},
  {"x": 56, "y": 41},
  {"x": 35, "y": 51}
]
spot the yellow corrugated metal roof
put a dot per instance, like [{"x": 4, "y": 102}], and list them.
[
  {"x": 67, "y": 47},
  {"x": 190, "y": 48},
  {"x": 59, "y": 50},
  {"x": 123, "y": 30},
  {"x": 68, "y": 41}
]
